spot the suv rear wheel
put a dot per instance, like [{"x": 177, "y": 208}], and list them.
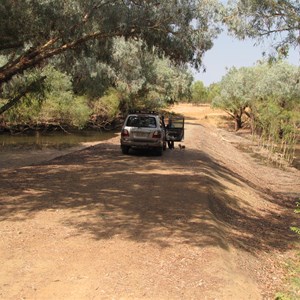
[
  {"x": 125, "y": 149},
  {"x": 159, "y": 151}
]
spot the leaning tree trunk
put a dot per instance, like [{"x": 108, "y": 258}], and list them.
[
  {"x": 21, "y": 94},
  {"x": 238, "y": 120}
]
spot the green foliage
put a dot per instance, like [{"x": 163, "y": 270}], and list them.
[
  {"x": 297, "y": 211},
  {"x": 79, "y": 112},
  {"x": 145, "y": 80},
  {"x": 276, "y": 107},
  {"x": 3, "y": 60},
  {"x": 266, "y": 18},
  {"x": 59, "y": 97},
  {"x": 153, "y": 101},
  {"x": 107, "y": 106},
  {"x": 180, "y": 30},
  {"x": 213, "y": 91},
  {"x": 231, "y": 96},
  {"x": 58, "y": 105},
  {"x": 282, "y": 296},
  {"x": 235, "y": 93},
  {"x": 272, "y": 103},
  {"x": 199, "y": 93},
  {"x": 66, "y": 110},
  {"x": 131, "y": 64},
  {"x": 57, "y": 81},
  {"x": 292, "y": 287},
  {"x": 131, "y": 45},
  {"x": 172, "y": 83},
  {"x": 22, "y": 82},
  {"x": 141, "y": 79}
]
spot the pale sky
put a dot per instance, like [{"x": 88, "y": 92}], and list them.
[{"x": 228, "y": 52}]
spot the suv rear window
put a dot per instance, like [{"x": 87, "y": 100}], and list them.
[{"x": 141, "y": 121}]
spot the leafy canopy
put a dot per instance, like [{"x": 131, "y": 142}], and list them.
[
  {"x": 144, "y": 80},
  {"x": 199, "y": 92},
  {"x": 259, "y": 19},
  {"x": 32, "y": 31},
  {"x": 268, "y": 94}
]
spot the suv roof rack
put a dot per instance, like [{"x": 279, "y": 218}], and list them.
[{"x": 152, "y": 112}]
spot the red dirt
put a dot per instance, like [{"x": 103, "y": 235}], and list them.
[{"x": 207, "y": 222}]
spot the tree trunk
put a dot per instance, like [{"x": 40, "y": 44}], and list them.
[
  {"x": 34, "y": 57},
  {"x": 238, "y": 123},
  {"x": 238, "y": 120}
]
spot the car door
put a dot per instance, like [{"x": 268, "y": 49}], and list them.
[{"x": 175, "y": 128}]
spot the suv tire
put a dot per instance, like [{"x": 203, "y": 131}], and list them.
[
  {"x": 125, "y": 149},
  {"x": 159, "y": 151}
]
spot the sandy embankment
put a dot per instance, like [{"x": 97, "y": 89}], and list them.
[{"x": 13, "y": 158}]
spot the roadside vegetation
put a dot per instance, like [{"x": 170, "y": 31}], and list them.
[
  {"x": 292, "y": 288},
  {"x": 141, "y": 80},
  {"x": 270, "y": 106},
  {"x": 131, "y": 52}
]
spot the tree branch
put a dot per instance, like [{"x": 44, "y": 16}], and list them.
[
  {"x": 18, "y": 98},
  {"x": 35, "y": 56}
]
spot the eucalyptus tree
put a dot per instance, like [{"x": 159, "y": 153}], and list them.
[
  {"x": 235, "y": 93},
  {"x": 259, "y": 19},
  {"x": 172, "y": 83},
  {"x": 59, "y": 105},
  {"x": 145, "y": 79},
  {"x": 34, "y": 31},
  {"x": 132, "y": 65},
  {"x": 213, "y": 91},
  {"x": 270, "y": 95},
  {"x": 276, "y": 105},
  {"x": 199, "y": 92}
]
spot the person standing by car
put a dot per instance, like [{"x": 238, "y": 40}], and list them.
[{"x": 170, "y": 142}]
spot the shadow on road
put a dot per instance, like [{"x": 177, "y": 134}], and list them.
[{"x": 176, "y": 198}]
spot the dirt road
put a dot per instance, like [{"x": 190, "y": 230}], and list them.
[{"x": 207, "y": 222}]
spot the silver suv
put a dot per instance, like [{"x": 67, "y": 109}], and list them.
[{"x": 143, "y": 131}]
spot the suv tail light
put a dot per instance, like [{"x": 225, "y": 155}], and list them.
[
  {"x": 124, "y": 133},
  {"x": 157, "y": 134}
]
